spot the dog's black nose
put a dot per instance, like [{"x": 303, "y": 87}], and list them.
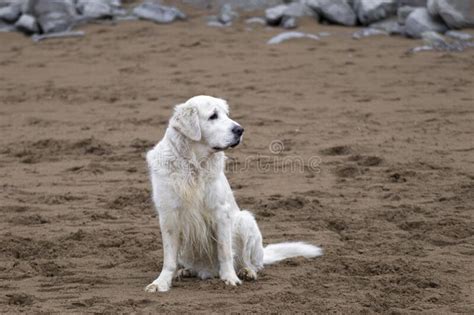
[{"x": 237, "y": 130}]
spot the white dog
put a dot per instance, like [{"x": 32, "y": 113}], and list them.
[{"x": 203, "y": 230}]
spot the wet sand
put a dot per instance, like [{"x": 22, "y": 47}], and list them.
[{"x": 382, "y": 141}]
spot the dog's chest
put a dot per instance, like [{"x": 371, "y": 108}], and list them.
[
  {"x": 197, "y": 229},
  {"x": 195, "y": 207}
]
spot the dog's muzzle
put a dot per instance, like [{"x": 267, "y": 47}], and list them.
[
  {"x": 236, "y": 143},
  {"x": 238, "y": 131}
]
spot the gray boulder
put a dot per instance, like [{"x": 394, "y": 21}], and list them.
[
  {"x": 420, "y": 21},
  {"x": 455, "y": 13},
  {"x": 5, "y": 27},
  {"x": 420, "y": 49},
  {"x": 289, "y": 22},
  {"x": 256, "y": 20},
  {"x": 96, "y": 9},
  {"x": 335, "y": 11},
  {"x": 226, "y": 14},
  {"x": 283, "y": 37},
  {"x": 369, "y": 11},
  {"x": 158, "y": 13},
  {"x": 223, "y": 18},
  {"x": 403, "y": 13},
  {"x": 368, "y": 32},
  {"x": 412, "y": 3},
  {"x": 38, "y": 37},
  {"x": 441, "y": 43},
  {"x": 274, "y": 15},
  {"x": 390, "y": 26},
  {"x": 53, "y": 15},
  {"x": 27, "y": 23},
  {"x": 299, "y": 9},
  {"x": 6, "y": 3},
  {"x": 215, "y": 23},
  {"x": 10, "y": 13},
  {"x": 459, "y": 35},
  {"x": 247, "y": 5},
  {"x": 285, "y": 15}
]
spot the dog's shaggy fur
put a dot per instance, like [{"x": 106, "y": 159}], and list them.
[{"x": 204, "y": 232}]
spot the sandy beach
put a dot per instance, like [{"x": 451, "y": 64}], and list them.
[{"x": 385, "y": 180}]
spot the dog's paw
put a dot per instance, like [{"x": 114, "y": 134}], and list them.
[
  {"x": 247, "y": 274},
  {"x": 154, "y": 287},
  {"x": 151, "y": 288},
  {"x": 231, "y": 279}
]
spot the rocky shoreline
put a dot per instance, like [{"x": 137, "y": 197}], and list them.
[{"x": 435, "y": 21}]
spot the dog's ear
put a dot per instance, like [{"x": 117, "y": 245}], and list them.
[{"x": 186, "y": 120}]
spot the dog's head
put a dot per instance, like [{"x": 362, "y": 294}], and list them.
[{"x": 205, "y": 119}]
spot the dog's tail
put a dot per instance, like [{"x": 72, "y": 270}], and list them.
[{"x": 276, "y": 252}]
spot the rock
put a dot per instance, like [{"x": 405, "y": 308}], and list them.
[
  {"x": 455, "y": 13},
  {"x": 123, "y": 15},
  {"x": 10, "y": 13},
  {"x": 367, "y": 32},
  {"x": 37, "y": 38},
  {"x": 420, "y": 21},
  {"x": 274, "y": 15},
  {"x": 22, "y": 4},
  {"x": 459, "y": 35},
  {"x": 369, "y": 11},
  {"x": 420, "y": 48},
  {"x": 4, "y": 27},
  {"x": 299, "y": 9},
  {"x": 412, "y": 3},
  {"x": 432, "y": 38},
  {"x": 215, "y": 23},
  {"x": 403, "y": 13},
  {"x": 389, "y": 26},
  {"x": 224, "y": 18},
  {"x": 247, "y": 5},
  {"x": 53, "y": 15},
  {"x": 335, "y": 11},
  {"x": 439, "y": 42},
  {"x": 158, "y": 13},
  {"x": 288, "y": 22},
  {"x": 226, "y": 14},
  {"x": 27, "y": 23},
  {"x": 468, "y": 44},
  {"x": 255, "y": 20},
  {"x": 95, "y": 9},
  {"x": 285, "y": 15},
  {"x": 282, "y": 37},
  {"x": 6, "y": 3}
]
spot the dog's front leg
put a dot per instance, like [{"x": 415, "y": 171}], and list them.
[
  {"x": 170, "y": 250},
  {"x": 224, "y": 248}
]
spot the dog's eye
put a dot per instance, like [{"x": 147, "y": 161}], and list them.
[{"x": 213, "y": 116}]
